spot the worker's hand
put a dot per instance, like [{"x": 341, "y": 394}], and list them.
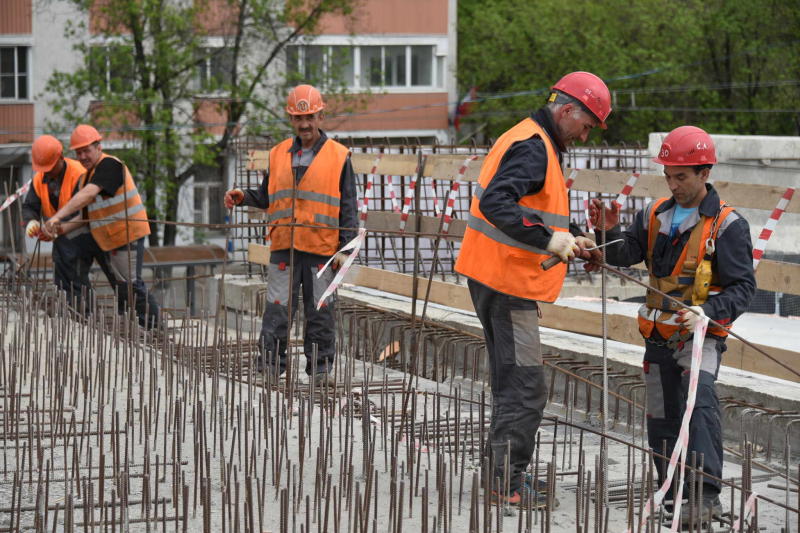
[
  {"x": 53, "y": 226},
  {"x": 562, "y": 244},
  {"x": 32, "y": 229},
  {"x": 46, "y": 236},
  {"x": 596, "y": 207},
  {"x": 233, "y": 197},
  {"x": 338, "y": 260},
  {"x": 689, "y": 319},
  {"x": 593, "y": 257}
]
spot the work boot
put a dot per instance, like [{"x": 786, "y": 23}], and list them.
[
  {"x": 322, "y": 380},
  {"x": 711, "y": 508},
  {"x": 540, "y": 488},
  {"x": 519, "y": 498}
]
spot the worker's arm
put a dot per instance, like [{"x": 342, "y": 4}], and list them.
[
  {"x": 31, "y": 206},
  {"x": 633, "y": 249},
  {"x": 81, "y": 199},
  {"x": 521, "y": 172},
  {"x": 733, "y": 264},
  {"x": 348, "y": 204},
  {"x": 257, "y": 197}
]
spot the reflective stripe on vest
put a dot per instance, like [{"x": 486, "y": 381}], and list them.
[
  {"x": 658, "y": 313},
  {"x": 495, "y": 259},
  {"x": 120, "y": 219},
  {"x": 316, "y": 199},
  {"x": 72, "y": 177}
]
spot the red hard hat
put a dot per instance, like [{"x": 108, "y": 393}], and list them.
[
  {"x": 686, "y": 146},
  {"x": 83, "y": 135},
  {"x": 45, "y": 153},
  {"x": 590, "y": 90},
  {"x": 304, "y": 100}
]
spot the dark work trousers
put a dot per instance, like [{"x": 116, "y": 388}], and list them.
[
  {"x": 519, "y": 390},
  {"x": 320, "y": 332},
  {"x": 71, "y": 271},
  {"x": 666, "y": 374},
  {"x": 123, "y": 269}
]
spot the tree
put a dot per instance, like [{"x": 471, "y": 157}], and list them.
[
  {"x": 730, "y": 66},
  {"x": 163, "y": 63}
]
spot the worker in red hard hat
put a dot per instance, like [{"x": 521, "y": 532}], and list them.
[
  {"x": 519, "y": 216},
  {"x": 55, "y": 181},
  {"x": 310, "y": 181},
  {"x": 117, "y": 222},
  {"x": 698, "y": 249}
]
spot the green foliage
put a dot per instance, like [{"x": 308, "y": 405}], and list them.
[
  {"x": 150, "y": 66},
  {"x": 718, "y": 64}
]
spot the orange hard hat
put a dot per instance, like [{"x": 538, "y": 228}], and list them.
[
  {"x": 590, "y": 90},
  {"x": 686, "y": 146},
  {"x": 45, "y": 153},
  {"x": 83, "y": 135},
  {"x": 304, "y": 100}
]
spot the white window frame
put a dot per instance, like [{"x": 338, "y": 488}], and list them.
[
  {"x": 440, "y": 49},
  {"x": 27, "y": 74}
]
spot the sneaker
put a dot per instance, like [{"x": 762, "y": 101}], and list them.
[
  {"x": 323, "y": 379},
  {"x": 709, "y": 510},
  {"x": 540, "y": 490},
  {"x": 519, "y": 498}
]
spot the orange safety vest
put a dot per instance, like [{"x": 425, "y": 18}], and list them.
[
  {"x": 72, "y": 175},
  {"x": 496, "y": 260},
  {"x": 316, "y": 199},
  {"x": 658, "y": 313},
  {"x": 119, "y": 219}
]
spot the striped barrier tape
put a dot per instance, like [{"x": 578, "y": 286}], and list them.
[
  {"x": 355, "y": 246},
  {"x": 586, "y": 214},
  {"x": 451, "y": 196},
  {"x": 393, "y": 196},
  {"x": 571, "y": 178},
  {"x": 412, "y": 189},
  {"x": 436, "y": 211},
  {"x": 362, "y": 218},
  {"x": 16, "y": 194},
  {"x": 749, "y": 506},
  {"x": 626, "y": 190},
  {"x": 681, "y": 445},
  {"x": 769, "y": 227}
]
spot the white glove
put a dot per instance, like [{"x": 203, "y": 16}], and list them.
[
  {"x": 689, "y": 319},
  {"x": 563, "y": 244},
  {"x": 339, "y": 259},
  {"x": 33, "y": 228}
]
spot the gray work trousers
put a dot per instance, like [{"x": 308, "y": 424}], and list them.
[{"x": 519, "y": 390}]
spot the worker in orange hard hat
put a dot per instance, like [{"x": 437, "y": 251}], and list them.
[
  {"x": 117, "y": 221},
  {"x": 698, "y": 249},
  {"x": 309, "y": 181},
  {"x": 55, "y": 181},
  {"x": 519, "y": 216}
]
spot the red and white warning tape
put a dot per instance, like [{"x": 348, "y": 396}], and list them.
[
  {"x": 393, "y": 196},
  {"x": 749, "y": 506},
  {"x": 626, "y": 190},
  {"x": 355, "y": 246},
  {"x": 769, "y": 227},
  {"x": 586, "y": 214},
  {"x": 436, "y": 211},
  {"x": 412, "y": 189},
  {"x": 682, "y": 444},
  {"x": 16, "y": 194},
  {"x": 451, "y": 196},
  {"x": 362, "y": 219}
]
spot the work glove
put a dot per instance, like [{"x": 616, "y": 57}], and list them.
[
  {"x": 688, "y": 319},
  {"x": 338, "y": 260},
  {"x": 562, "y": 244},
  {"x": 595, "y": 214},
  {"x": 591, "y": 256},
  {"x": 33, "y": 228},
  {"x": 233, "y": 197}
]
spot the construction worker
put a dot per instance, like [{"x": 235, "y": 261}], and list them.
[
  {"x": 54, "y": 183},
  {"x": 519, "y": 216},
  {"x": 117, "y": 221},
  {"x": 310, "y": 181},
  {"x": 697, "y": 249}
]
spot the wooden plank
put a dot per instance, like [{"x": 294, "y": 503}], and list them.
[
  {"x": 445, "y": 167},
  {"x": 379, "y": 221},
  {"x": 390, "y": 164},
  {"x": 620, "y": 327},
  {"x": 258, "y": 253},
  {"x": 778, "y": 276},
  {"x": 257, "y": 160}
]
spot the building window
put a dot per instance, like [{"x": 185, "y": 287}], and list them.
[
  {"x": 214, "y": 68},
  {"x": 111, "y": 68},
  {"x": 208, "y": 189},
  {"x": 14, "y": 72},
  {"x": 376, "y": 66},
  {"x": 325, "y": 66}
]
